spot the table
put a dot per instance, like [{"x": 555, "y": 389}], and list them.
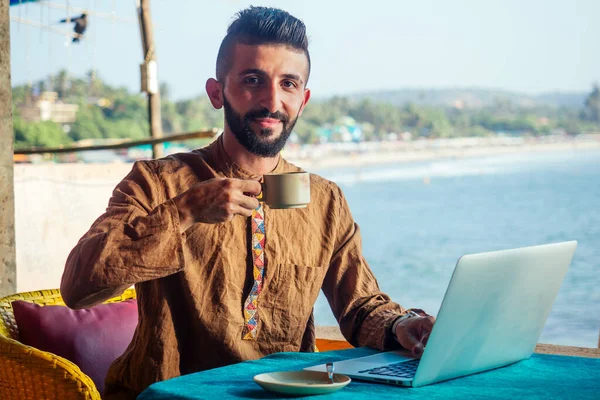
[{"x": 541, "y": 376}]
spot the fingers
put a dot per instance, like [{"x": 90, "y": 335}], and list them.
[
  {"x": 236, "y": 209},
  {"x": 415, "y": 333},
  {"x": 245, "y": 194},
  {"x": 426, "y": 328},
  {"x": 250, "y": 187},
  {"x": 418, "y": 349},
  {"x": 217, "y": 200},
  {"x": 241, "y": 200},
  {"x": 412, "y": 343},
  {"x": 426, "y": 324},
  {"x": 246, "y": 202}
]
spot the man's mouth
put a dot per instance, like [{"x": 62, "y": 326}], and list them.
[{"x": 267, "y": 122}]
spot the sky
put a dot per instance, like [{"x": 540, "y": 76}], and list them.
[{"x": 531, "y": 46}]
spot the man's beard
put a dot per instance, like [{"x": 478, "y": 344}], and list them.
[{"x": 240, "y": 127}]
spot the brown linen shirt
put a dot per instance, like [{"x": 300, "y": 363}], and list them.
[{"x": 191, "y": 287}]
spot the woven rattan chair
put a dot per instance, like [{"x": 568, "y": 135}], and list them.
[{"x": 29, "y": 373}]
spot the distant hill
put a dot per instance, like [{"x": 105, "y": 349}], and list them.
[{"x": 474, "y": 97}]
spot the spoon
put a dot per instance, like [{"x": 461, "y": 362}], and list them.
[{"x": 329, "y": 367}]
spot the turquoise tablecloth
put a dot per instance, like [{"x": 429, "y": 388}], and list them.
[{"x": 541, "y": 376}]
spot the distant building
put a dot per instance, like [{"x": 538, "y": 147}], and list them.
[
  {"x": 345, "y": 130},
  {"x": 47, "y": 107}
]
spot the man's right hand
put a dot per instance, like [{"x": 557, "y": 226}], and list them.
[{"x": 217, "y": 200}]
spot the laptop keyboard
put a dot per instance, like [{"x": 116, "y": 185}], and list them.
[{"x": 403, "y": 369}]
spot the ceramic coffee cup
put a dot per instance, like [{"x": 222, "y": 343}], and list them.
[{"x": 287, "y": 190}]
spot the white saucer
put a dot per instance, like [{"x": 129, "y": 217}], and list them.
[{"x": 301, "y": 383}]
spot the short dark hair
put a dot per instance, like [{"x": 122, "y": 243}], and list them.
[{"x": 262, "y": 25}]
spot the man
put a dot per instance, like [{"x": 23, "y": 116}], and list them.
[
  {"x": 80, "y": 26},
  {"x": 179, "y": 229}
]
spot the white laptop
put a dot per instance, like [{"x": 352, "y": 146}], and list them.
[{"x": 492, "y": 315}]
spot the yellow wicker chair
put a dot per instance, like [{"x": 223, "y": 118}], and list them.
[{"x": 29, "y": 373}]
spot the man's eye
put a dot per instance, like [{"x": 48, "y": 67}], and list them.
[
  {"x": 252, "y": 80},
  {"x": 289, "y": 84}
]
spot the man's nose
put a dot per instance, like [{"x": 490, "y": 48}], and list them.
[{"x": 270, "y": 98}]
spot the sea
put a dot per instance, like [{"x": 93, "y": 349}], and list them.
[{"x": 417, "y": 219}]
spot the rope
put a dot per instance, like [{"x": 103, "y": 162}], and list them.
[{"x": 149, "y": 54}]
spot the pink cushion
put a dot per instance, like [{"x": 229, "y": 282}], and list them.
[{"x": 91, "y": 338}]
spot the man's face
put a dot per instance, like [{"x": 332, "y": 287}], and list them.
[{"x": 264, "y": 94}]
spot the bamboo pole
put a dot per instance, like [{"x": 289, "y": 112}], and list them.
[
  {"x": 123, "y": 144},
  {"x": 150, "y": 56},
  {"x": 8, "y": 257}
]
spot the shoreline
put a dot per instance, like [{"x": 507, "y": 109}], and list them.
[
  {"x": 333, "y": 333},
  {"x": 416, "y": 152},
  {"x": 340, "y": 155}
]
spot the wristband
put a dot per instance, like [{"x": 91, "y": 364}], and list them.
[{"x": 409, "y": 314}]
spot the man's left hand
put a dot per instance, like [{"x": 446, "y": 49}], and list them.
[{"x": 413, "y": 333}]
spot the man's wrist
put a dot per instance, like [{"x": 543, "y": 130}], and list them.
[
  {"x": 185, "y": 217},
  {"x": 410, "y": 313}
]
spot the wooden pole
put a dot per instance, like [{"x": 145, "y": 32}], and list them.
[
  {"x": 149, "y": 48},
  {"x": 8, "y": 258},
  {"x": 119, "y": 143}
]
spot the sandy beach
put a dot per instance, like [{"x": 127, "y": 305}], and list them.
[
  {"x": 333, "y": 333},
  {"x": 366, "y": 154}
]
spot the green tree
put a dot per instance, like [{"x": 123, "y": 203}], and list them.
[
  {"x": 165, "y": 91},
  {"x": 90, "y": 123},
  {"x": 591, "y": 111},
  {"x": 127, "y": 129},
  {"x": 61, "y": 82},
  {"x": 38, "y": 134},
  {"x": 122, "y": 114},
  {"x": 171, "y": 120}
]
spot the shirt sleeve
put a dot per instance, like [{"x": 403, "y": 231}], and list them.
[
  {"x": 364, "y": 313},
  {"x": 137, "y": 239}
]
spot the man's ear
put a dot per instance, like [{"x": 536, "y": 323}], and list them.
[
  {"x": 306, "y": 98},
  {"x": 214, "y": 89}
]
